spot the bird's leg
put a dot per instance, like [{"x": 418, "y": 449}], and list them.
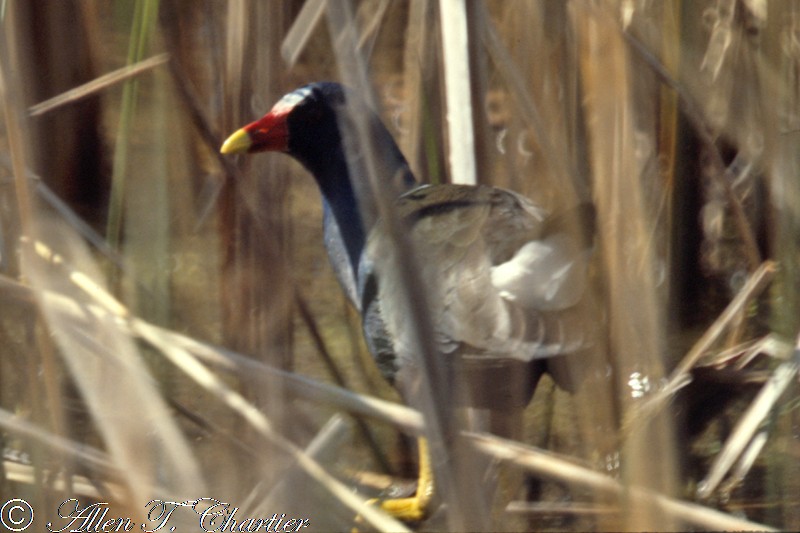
[{"x": 414, "y": 508}]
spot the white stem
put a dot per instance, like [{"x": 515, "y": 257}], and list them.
[{"x": 457, "y": 90}]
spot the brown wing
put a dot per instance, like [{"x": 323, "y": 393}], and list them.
[{"x": 461, "y": 235}]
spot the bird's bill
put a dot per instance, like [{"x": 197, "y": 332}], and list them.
[
  {"x": 269, "y": 134},
  {"x": 238, "y": 143}
]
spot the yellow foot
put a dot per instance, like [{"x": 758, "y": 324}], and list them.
[
  {"x": 411, "y": 509},
  {"x": 407, "y": 510},
  {"x": 414, "y": 508}
]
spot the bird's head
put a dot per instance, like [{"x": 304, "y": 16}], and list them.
[{"x": 303, "y": 124}]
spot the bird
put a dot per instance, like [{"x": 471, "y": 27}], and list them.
[{"x": 500, "y": 273}]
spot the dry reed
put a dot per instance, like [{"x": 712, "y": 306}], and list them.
[{"x": 201, "y": 348}]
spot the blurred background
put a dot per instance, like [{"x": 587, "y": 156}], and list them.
[{"x": 170, "y": 327}]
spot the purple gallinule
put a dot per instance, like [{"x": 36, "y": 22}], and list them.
[{"x": 499, "y": 273}]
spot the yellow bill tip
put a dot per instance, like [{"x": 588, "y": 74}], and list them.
[{"x": 238, "y": 143}]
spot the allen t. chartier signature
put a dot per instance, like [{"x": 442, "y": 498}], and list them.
[{"x": 213, "y": 515}]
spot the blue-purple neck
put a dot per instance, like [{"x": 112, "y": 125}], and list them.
[
  {"x": 340, "y": 201},
  {"x": 348, "y": 202}
]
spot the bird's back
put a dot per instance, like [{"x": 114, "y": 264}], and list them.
[{"x": 495, "y": 280}]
